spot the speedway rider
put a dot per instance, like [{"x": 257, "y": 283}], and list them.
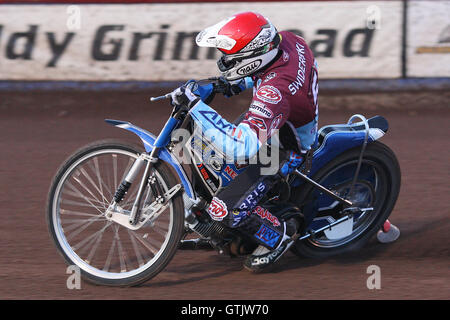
[{"x": 282, "y": 71}]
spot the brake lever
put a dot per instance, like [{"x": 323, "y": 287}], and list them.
[{"x": 219, "y": 84}]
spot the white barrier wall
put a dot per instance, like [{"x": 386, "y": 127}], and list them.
[
  {"x": 154, "y": 41},
  {"x": 428, "y": 33}
]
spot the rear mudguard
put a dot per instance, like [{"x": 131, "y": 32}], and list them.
[
  {"x": 148, "y": 140},
  {"x": 336, "y": 139},
  {"x": 337, "y": 142}
]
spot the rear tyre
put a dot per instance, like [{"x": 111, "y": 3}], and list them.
[{"x": 377, "y": 186}]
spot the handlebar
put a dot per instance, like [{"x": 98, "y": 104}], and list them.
[
  {"x": 219, "y": 85},
  {"x": 166, "y": 96}
]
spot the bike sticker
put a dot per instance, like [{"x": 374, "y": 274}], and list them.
[
  {"x": 230, "y": 172},
  {"x": 217, "y": 209},
  {"x": 252, "y": 199},
  {"x": 203, "y": 171},
  {"x": 267, "y": 236},
  {"x": 266, "y": 215},
  {"x": 238, "y": 216},
  {"x": 269, "y": 94},
  {"x": 206, "y": 176}
]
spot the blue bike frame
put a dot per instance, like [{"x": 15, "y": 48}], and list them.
[{"x": 343, "y": 137}]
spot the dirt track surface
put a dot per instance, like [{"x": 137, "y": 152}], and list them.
[{"x": 40, "y": 130}]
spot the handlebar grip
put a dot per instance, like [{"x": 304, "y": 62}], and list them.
[{"x": 166, "y": 96}]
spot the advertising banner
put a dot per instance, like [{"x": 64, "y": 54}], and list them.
[
  {"x": 428, "y": 39},
  {"x": 155, "y": 42}
]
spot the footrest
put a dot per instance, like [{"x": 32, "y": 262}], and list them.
[{"x": 195, "y": 244}]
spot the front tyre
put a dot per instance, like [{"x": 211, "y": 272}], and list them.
[
  {"x": 377, "y": 187},
  {"x": 106, "y": 252}
]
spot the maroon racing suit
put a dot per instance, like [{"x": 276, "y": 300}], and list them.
[{"x": 285, "y": 92}]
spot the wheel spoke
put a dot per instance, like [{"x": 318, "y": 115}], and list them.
[
  {"x": 92, "y": 238},
  {"x": 146, "y": 244},
  {"x": 85, "y": 224},
  {"x": 82, "y": 196},
  {"x": 136, "y": 248},
  {"x": 84, "y": 172},
  {"x": 82, "y": 204},
  {"x": 97, "y": 242},
  {"x": 87, "y": 189},
  {"x": 114, "y": 157},
  {"x": 101, "y": 182},
  {"x": 108, "y": 259},
  {"x": 77, "y": 213},
  {"x": 122, "y": 253},
  {"x": 160, "y": 231}
]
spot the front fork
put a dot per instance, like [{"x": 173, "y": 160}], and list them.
[
  {"x": 144, "y": 159},
  {"x": 149, "y": 159}
]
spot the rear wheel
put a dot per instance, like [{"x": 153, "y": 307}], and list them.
[
  {"x": 377, "y": 187},
  {"x": 108, "y": 253}
]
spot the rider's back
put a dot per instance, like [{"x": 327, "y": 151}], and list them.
[{"x": 286, "y": 87}]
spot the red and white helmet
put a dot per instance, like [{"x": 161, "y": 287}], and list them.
[{"x": 247, "y": 40}]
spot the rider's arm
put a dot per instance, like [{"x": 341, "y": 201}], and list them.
[
  {"x": 239, "y": 142},
  {"x": 244, "y": 140},
  {"x": 230, "y": 88}
]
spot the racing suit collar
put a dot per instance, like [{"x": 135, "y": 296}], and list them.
[{"x": 277, "y": 61}]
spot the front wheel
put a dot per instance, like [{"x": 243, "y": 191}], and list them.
[
  {"x": 106, "y": 252},
  {"x": 377, "y": 186}
]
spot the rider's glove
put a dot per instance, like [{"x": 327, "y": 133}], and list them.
[
  {"x": 293, "y": 162},
  {"x": 232, "y": 88},
  {"x": 183, "y": 96}
]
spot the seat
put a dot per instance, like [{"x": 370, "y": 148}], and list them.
[{"x": 378, "y": 122}]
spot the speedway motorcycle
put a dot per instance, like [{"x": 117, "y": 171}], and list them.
[{"x": 120, "y": 211}]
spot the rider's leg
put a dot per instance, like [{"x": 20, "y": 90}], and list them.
[
  {"x": 265, "y": 255},
  {"x": 237, "y": 207}
]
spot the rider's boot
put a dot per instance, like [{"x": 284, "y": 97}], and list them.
[{"x": 263, "y": 258}]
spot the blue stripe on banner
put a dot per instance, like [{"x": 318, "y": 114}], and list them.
[{"x": 351, "y": 85}]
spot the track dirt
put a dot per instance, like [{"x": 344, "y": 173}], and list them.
[{"x": 41, "y": 129}]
